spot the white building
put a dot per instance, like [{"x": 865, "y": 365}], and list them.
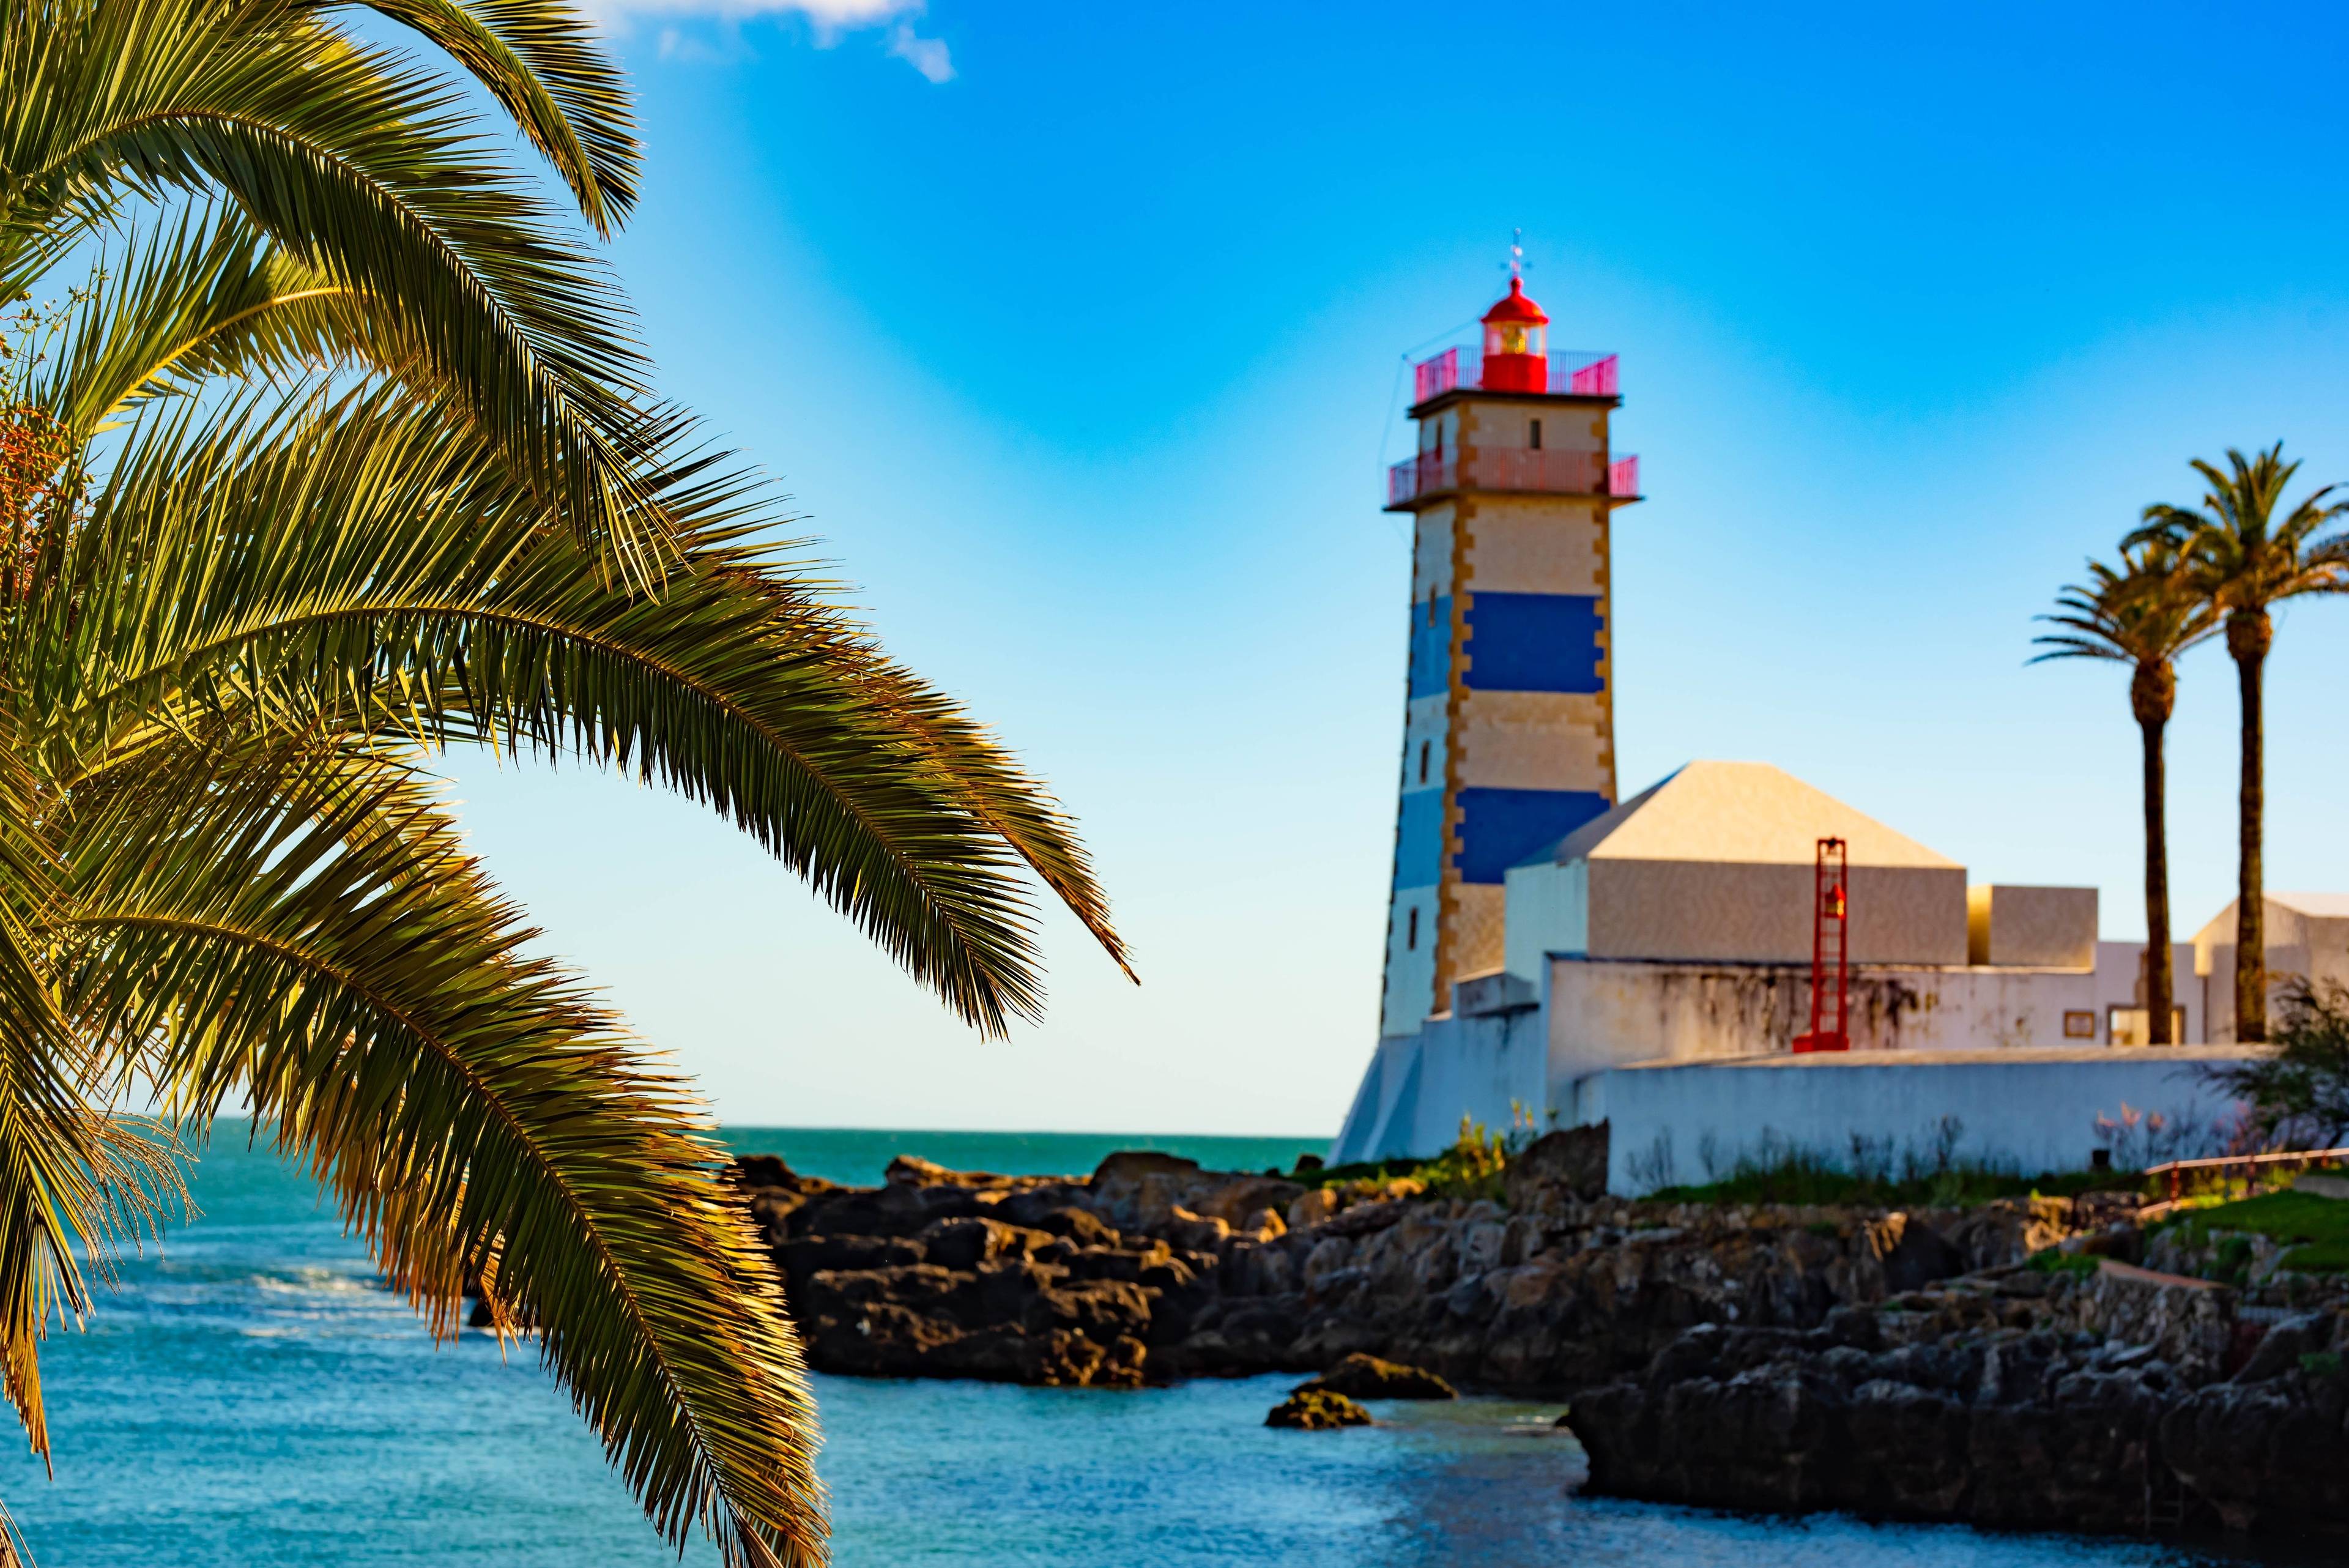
[
  {"x": 1659, "y": 967},
  {"x": 1553, "y": 955}
]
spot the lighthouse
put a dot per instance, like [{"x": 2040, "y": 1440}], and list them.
[{"x": 1508, "y": 716}]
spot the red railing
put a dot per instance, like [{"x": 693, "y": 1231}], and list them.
[
  {"x": 1623, "y": 476},
  {"x": 1576, "y": 374},
  {"x": 1541, "y": 471},
  {"x": 1431, "y": 377},
  {"x": 1596, "y": 379},
  {"x": 1425, "y": 474}
]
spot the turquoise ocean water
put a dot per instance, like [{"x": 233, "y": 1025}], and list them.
[{"x": 249, "y": 1397}]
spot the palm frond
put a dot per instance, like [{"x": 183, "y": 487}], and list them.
[
  {"x": 2235, "y": 551},
  {"x": 538, "y": 58},
  {"x": 370, "y": 560},
  {"x": 296, "y": 923},
  {"x": 72, "y": 1179},
  {"x": 362, "y": 170},
  {"x": 2146, "y": 612}
]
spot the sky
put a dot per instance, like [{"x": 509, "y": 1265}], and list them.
[{"x": 1073, "y": 333}]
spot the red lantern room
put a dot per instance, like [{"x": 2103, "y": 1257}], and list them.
[{"x": 1516, "y": 344}]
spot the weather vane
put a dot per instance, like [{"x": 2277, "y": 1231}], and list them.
[{"x": 1516, "y": 253}]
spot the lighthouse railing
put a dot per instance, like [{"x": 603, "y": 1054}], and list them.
[
  {"x": 1535, "y": 469},
  {"x": 1571, "y": 372},
  {"x": 1423, "y": 475}
]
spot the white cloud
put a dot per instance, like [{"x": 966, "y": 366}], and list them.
[
  {"x": 828, "y": 20},
  {"x": 928, "y": 56}
]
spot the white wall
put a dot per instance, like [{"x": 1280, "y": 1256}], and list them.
[
  {"x": 2032, "y": 1110},
  {"x": 1549, "y": 912},
  {"x": 1418, "y": 1086},
  {"x": 1606, "y": 1012},
  {"x": 1592, "y": 1016}
]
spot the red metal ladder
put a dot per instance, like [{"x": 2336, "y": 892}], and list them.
[{"x": 1830, "y": 972}]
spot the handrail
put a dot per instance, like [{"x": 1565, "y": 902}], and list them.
[
  {"x": 2176, "y": 1169},
  {"x": 1527, "y": 470},
  {"x": 1572, "y": 372}
]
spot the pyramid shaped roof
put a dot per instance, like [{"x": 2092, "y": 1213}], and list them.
[{"x": 1748, "y": 812}]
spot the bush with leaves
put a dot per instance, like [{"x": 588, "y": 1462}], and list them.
[{"x": 2298, "y": 1097}]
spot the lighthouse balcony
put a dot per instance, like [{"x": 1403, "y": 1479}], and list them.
[
  {"x": 1417, "y": 481},
  {"x": 1567, "y": 373}
]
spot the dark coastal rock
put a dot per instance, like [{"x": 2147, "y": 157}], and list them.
[
  {"x": 1570, "y": 1164},
  {"x": 1895, "y": 1365},
  {"x": 2072, "y": 1419},
  {"x": 1921, "y": 1257},
  {"x": 1552, "y": 1296},
  {"x": 1360, "y": 1377},
  {"x": 1317, "y": 1410}
]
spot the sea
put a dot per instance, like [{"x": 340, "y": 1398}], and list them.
[{"x": 249, "y": 1397}]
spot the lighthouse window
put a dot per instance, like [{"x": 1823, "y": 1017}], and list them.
[
  {"x": 1413, "y": 941},
  {"x": 1423, "y": 762},
  {"x": 1532, "y": 437}
]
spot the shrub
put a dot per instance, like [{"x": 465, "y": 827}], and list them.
[{"x": 2300, "y": 1095}]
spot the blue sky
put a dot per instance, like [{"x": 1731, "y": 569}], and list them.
[{"x": 1073, "y": 331}]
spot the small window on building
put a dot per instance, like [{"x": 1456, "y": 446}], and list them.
[
  {"x": 1533, "y": 435},
  {"x": 1430, "y": 606},
  {"x": 2080, "y": 1025},
  {"x": 1412, "y": 941},
  {"x": 1423, "y": 762},
  {"x": 2132, "y": 1025}
]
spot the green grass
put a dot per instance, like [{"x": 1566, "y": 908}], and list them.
[
  {"x": 2319, "y": 1225},
  {"x": 2052, "y": 1261},
  {"x": 1805, "y": 1181}
]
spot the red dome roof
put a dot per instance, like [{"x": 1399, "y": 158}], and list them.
[{"x": 1518, "y": 307}]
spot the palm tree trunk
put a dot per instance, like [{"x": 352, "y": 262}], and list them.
[
  {"x": 2249, "y": 647},
  {"x": 2158, "y": 983}
]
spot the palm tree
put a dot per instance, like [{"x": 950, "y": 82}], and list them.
[
  {"x": 2143, "y": 615},
  {"x": 2235, "y": 552},
  {"x": 338, "y": 458}
]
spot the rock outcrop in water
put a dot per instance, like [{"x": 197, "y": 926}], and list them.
[
  {"x": 1360, "y": 1377},
  {"x": 1154, "y": 1269},
  {"x": 1898, "y": 1364},
  {"x": 1317, "y": 1410},
  {"x": 2023, "y": 1400}
]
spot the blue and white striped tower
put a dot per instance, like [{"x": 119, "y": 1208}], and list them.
[{"x": 1508, "y": 726}]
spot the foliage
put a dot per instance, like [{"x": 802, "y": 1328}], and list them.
[
  {"x": 2138, "y": 1139},
  {"x": 2319, "y": 1227},
  {"x": 2298, "y": 1095},
  {"x": 2051, "y": 1261},
  {"x": 2242, "y": 554},
  {"x": 2142, "y": 614},
  {"x": 2146, "y": 612},
  {"x": 2321, "y": 1363},
  {"x": 1872, "y": 1175},
  {"x": 325, "y": 445},
  {"x": 2235, "y": 552},
  {"x": 1473, "y": 1167}
]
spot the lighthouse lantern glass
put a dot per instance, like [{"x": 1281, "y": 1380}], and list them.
[{"x": 1517, "y": 338}]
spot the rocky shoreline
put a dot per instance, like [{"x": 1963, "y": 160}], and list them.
[{"x": 1896, "y": 1365}]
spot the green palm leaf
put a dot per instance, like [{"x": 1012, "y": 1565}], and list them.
[
  {"x": 328, "y": 470},
  {"x": 299, "y": 925},
  {"x": 371, "y": 561},
  {"x": 358, "y": 165}
]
